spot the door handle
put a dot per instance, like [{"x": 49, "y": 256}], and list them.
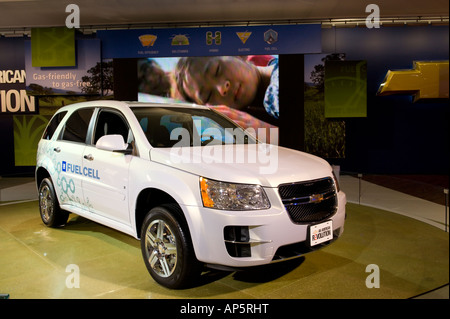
[
  {"x": 89, "y": 157},
  {"x": 57, "y": 149}
]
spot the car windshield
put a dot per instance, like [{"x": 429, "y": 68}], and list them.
[{"x": 185, "y": 127}]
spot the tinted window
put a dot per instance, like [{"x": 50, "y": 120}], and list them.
[
  {"x": 167, "y": 127},
  {"x": 76, "y": 126},
  {"x": 51, "y": 127},
  {"x": 110, "y": 122}
]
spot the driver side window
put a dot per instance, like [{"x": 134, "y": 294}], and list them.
[{"x": 111, "y": 122}]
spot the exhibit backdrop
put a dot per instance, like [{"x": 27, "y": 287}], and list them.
[
  {"x": 323, "y": 136},
  {"x": 229, "y": 45},
  {"x": 398, "y": 136},
  {"x": 395, "y": 136},
  {"x": 13, "y": 99},
  {"x": 31, "y": 94}
]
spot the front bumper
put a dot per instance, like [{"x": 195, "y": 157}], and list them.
[{"x": 269, "y": 235}]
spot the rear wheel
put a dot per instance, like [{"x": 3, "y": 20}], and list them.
[
  {"x": 51, "y": 213},
  {"x": 167, "y": 249}
]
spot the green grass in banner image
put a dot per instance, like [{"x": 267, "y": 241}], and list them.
[
  {"x": 28, "y": 130},
  {"x": 323, "y": 137}
]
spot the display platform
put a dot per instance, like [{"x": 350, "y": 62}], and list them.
[
  {"x": 37, "y": 262},
  {"x": 17, "y": 189}
]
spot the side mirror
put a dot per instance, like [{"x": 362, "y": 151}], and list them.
[{"x": 114, "y": 143}]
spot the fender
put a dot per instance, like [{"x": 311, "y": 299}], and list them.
[
  {"x": 145, "y": 175},
  {"x": 46, "y": 159}
]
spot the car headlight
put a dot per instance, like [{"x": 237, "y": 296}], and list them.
[{"x": 227, "y": 196}]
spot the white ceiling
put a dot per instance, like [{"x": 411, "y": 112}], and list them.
[{"x": 16, "y": 14}]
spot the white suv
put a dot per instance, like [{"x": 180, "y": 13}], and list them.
[{"x": 195, "y": 188}]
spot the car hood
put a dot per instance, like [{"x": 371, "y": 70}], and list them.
[{"x": 262, "y": 164}]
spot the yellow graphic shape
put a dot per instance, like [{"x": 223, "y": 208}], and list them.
[
  {"x": 427, "y": 80},
  {"x": 148, "y": 40},
  {"x": 244, "y": 36},
  {"x": 180, "y": 39}
]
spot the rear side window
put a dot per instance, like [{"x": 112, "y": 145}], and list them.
[
  {"x": 77, "y": 125},
  {"x": 53, "y": 125}
]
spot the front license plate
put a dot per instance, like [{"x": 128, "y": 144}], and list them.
[{"x": 320, "y": 233}]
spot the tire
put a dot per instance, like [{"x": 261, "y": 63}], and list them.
[
  {"x": 167, "y": 248},
  {"x": 51, "y": 213}
]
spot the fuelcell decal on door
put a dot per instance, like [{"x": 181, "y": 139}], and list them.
[
  {"x": 66, "y": 186},
  {"x": 77, "y": 169}
]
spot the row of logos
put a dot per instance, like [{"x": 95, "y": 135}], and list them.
[
  {"x": 232, "y": 40},
  {"x": 148, "y": 40}
]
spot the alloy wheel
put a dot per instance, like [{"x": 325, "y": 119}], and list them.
[
  {"x": 46, "y": 203},
  {"x": 161, "y": 248}
]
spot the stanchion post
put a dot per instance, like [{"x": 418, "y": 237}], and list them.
[
  {"x": 359, "y": 195},
  {"x": 446, "y": 207}
]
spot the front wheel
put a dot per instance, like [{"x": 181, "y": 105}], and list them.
[{"x": 167, "y": 249}]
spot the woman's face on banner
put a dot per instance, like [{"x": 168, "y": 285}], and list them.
[{"x": 226, "y": 80}]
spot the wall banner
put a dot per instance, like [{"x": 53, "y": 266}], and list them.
[
  {"x": 82, "y": 79},
  {"x": 345, "y": 89},
  {"x": 211, "y": 41},
  {"x": 13, "y": 95},
  {"x": 53, "y": 47}
]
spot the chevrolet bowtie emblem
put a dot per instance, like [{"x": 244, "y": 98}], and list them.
[
  {"x": 427, "y": 80},
  {"x": 316, "y": 198}
]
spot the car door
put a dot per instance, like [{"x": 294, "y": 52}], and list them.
[
  {"x": 105, "y": 181},
  {"x": 67, "y": 151}
]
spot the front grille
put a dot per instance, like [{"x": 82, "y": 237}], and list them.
[{"x": 311, "y": 201}]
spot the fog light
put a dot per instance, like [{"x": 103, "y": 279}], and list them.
[{"x": 237, "y": 240}]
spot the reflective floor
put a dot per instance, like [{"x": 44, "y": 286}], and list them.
[{"x": 40, "y": 262}]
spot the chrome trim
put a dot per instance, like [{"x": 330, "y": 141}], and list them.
[
  {"x": 330, "y": 194},
  {"x": 251, "y": 241}
]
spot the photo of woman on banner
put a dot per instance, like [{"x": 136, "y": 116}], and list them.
[
  {"x": 152, "y": 79},
  {"x": 255, "y": 104},
  {"x": 231, "y": 82}
]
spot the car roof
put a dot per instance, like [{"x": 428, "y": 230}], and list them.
[
  {"x": 128, "y": 104},
  {"x": 162, "y": 104}
]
